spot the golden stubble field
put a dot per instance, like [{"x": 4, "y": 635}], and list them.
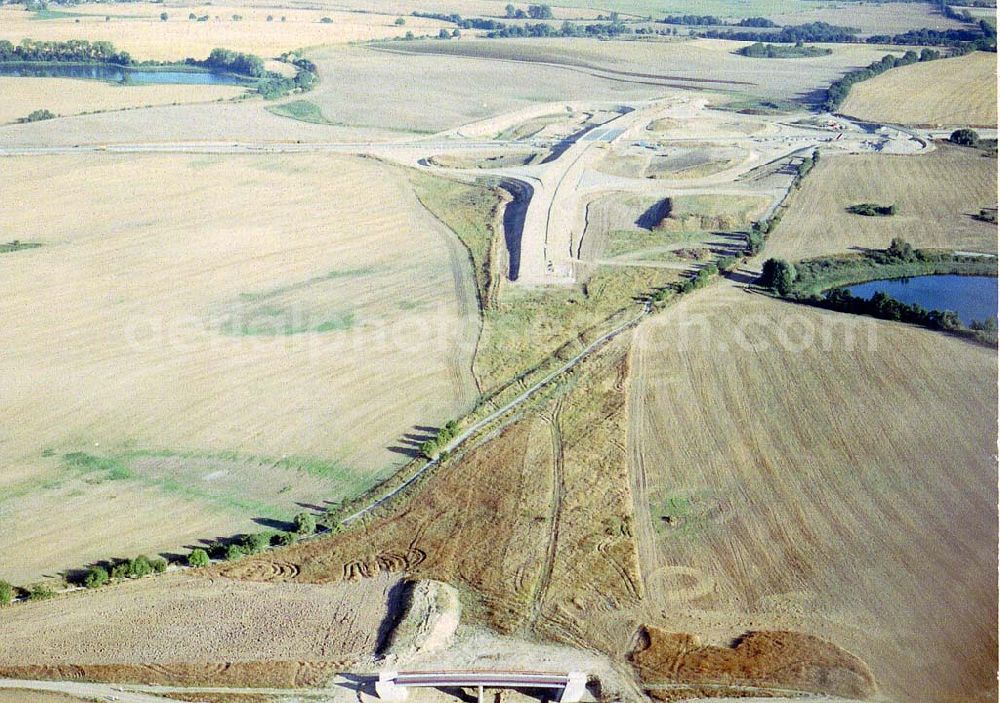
[
  {"x": 65, "y": 96},
  {"x": 958, "y": 91},
  {"x": 267, "y": 327},
  {"x": 187, "y": 619},
  {"x": 935, "y": 194},
  {"x": 806, "y": 470},
  {"x": 138, "y": 29}
]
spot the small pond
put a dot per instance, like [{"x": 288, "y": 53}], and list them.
[
  {"x": 972, "y": 297},
  {"x": 117, "y": 74}
]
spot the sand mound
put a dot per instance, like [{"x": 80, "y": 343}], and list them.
[{"x": 430, "y": 617}]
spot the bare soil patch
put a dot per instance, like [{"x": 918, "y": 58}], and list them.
[{"x": 788, "y": 660}]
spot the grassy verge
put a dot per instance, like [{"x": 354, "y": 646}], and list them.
[
  {"x": 18, "y": 245},
  {"x": 472, "y": 212},
  {"x": 301, "y": 110}
]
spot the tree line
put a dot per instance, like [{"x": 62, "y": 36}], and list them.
[
  {"x": 72, "y": 50},
  {"x": 759, "y": 50},
  {"x": 712, "y": 20},
  {"x": 983, "y": 37}
]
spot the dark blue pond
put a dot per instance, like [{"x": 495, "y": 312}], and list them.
[
  {"x": 117, "y": 74},
  {"x": 972, "y": 297}
]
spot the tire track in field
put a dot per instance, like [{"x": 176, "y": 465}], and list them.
[
  {"x": 645, "y": 537},
  {"x": 558, "y": 493}
]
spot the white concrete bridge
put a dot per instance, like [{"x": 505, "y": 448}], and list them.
[{"x": 567, "y": 688}]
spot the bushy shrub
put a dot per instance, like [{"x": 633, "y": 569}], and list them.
[
  {"x": 40, "y": 591},
  {"x": 964, "y": 137},
  {"x": 234, "y": 552},
  {"x": 159, "y": 565},
  {"x": 6, "y": 593},
  {"x": 198, "y": 557},
  {"x": 256, "y": 543},
  {"x": 283, "y": 539},
  {"x": 305, "y": 523},
  {"x": 96, "y": 577}
]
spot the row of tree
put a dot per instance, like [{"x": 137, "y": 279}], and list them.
[
  {"x": 759, "y": 50},
  {"x": 982, "y": 37},
  {"x": 712, "y": 20},
  {"x": 72, "y": 50}
]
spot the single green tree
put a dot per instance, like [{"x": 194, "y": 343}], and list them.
[
  {"x": 305, "y": 523},
  {"x": 164, "y": 17},
  {"x": 964, "y": 137},
  {"x": 400, "y": 21},
  {"x": 198, "y": 557},
  {"x": 257, "y": 542},
  {"x": 283, "y": 539},
  {"x": 139, "y": 567},
  {"x": 159, "y": 565},
  {"x": 778, "y": 275},
  {"x": 96, "y": 577},
  {"x": 234, "y": 552},
  {"x": 899, "y": 248}
]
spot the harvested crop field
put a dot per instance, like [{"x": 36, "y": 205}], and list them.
[
  {"x": 232, "y": 396},
  {"x": 420, "y": 93},
  {"x": 828, "y": 474},
  {"x": 138, "y": 29},
  {"x": 874, "y": 17},
  {"x": 191, "y": 622},
  {"x": 959, "y": 91},
  {"x": 65, "y": 96},
  {"x": 629, "y": 65},
  {"x": 935, "y": 194}
]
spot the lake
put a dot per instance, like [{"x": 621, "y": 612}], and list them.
[
  {"x": 116, "y": 74},
  {"x": 972, "y": 297}
]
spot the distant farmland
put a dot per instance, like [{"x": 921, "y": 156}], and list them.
[
  {"x": 65, "y": 96},
  {"x": 957, "y": 91},
  {"x": 935, "y": 195}
]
